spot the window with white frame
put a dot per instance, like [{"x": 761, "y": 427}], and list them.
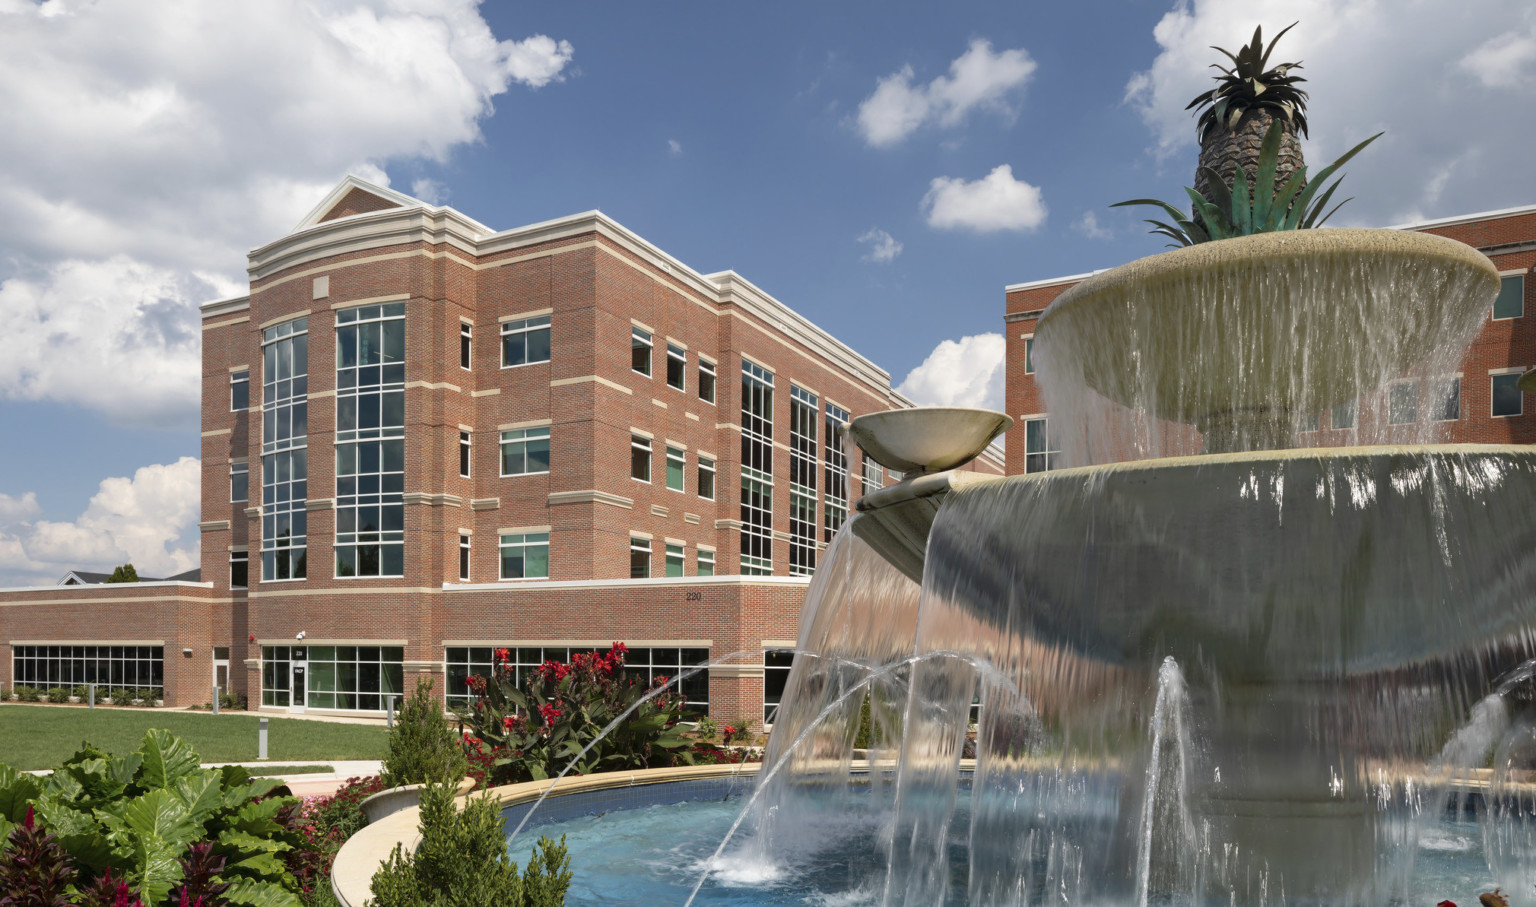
[
  {"x": 239, "y": 569},
  {"x": 1510, "y": 302},
  {"x": 1402, "y": 403},
  {"x": 756, "y": 470},
  {"x": 677, "y": 367},
  {"x": 674, "y": 556},
  {"x": 706, "y": 380},
  {"x": 835, "y": 471},
  {"x": 677, "y": 465},
  {"x": 464, "y": 458},
  {"x": 240, "y": 390},
  {"x": 640, "y": 351},
  {"x": 284, "y": 450},
  {"x": 239, "y": 482},
  {"x": 1029, "y": 355},
  {"x": 525, "y": 341},
  {"x": 706, "y": 563},
  {"x": 706, "y": 478},
  {"x": 639, "y": 458},
  {"x": 776, "y": 666},
  {"x": 463, "y": 557},
  {"x": 49, "y": 666},
  {"x": 1343, "y": 415},
  {"x": 525, "y": 451},
  {"x": 1445, "y": 398},
  {"x": 370, "y": 441},
  {"x": 1040, "y": 445},
  {"x": 348, "y": 678},
  {"x": 1507, "y": 399},
  {"x": 464, "y": 347},
  {"x": 804, "y": 420},
  {"x": 874, "y": 475},
  {"x": 647, "y": 664},
  {"x": 525, "y": 555},
  {"x": 639, "y": 558}
]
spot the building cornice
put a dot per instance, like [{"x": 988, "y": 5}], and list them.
[
  {"x": 225, "y": 306},
  {"x": 655, "y": 581}
]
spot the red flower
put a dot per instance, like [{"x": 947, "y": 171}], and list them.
[
  {"x": 503, "y": 655},
  {"x": 1446, "y": 904},
  {"x": 549, "y": 712},
  {"x": 730, "y": 731},
  {"x": 509, "y": 722}
]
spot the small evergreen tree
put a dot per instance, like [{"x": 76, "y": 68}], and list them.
[
  {"x": 124, "y": 574},
  {"x": 423, "y": 748}
]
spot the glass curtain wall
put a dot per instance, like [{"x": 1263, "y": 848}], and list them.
[
  {"x": 804, "y": 415},
  {"x": 284, "y": 449},
  {"x": 346, "y": 678},
  {"x": 756, "y": 470},
  {"x": 45, "y": 667},
  {"x": 370, "y": 440},
  {"x": 835, "y": 464}
]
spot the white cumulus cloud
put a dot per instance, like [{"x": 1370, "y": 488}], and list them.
[
  {"x": 1453, "y": 143},
  {"x": 994, "y": 202},
  {"x": 979, "y": 79},
  {"x": 674, "y": 146},
  {"x": 1089, "y": 226},
  {"x": 965, "y": 372},
  {"x": 883, "y": 247},
  {"x": 16, "y": 509}
]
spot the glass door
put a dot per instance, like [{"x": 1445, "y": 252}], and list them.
[{"x": 298, "y": 686}]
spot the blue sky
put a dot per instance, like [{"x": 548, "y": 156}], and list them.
[{"x": 884, "y": 168}]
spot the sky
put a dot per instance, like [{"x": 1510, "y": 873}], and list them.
[{"x": 884, "y": 168}]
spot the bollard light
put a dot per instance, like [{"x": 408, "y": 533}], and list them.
[
  {"x": 92, "y": 694},
  {"x": 215, "y": 699},
  {"x": 389, "y": 711},
  {"x": 261, "y": 739}
]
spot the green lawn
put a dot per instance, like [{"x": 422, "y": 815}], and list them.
[{"x": 33, "y": 737}]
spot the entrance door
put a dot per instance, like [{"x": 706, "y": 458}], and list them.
[
  {"x": 298, "y": 687},
  {"x": 221, "y": 668}
]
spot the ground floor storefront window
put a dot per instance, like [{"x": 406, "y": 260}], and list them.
[
  {"x": 44, "y": 667},
  {"x": 645, "y": 663},
  {"x": 347, "y": 678}
]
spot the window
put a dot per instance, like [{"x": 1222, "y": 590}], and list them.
[
  {"x": 640, "y": 351},
  {"x": 463, "y": 557},
  {"x": 46, "y": 667},
  {"x": 1343, "y": 415},
  {"x": 835, "y": 471},
  {"x": 677, "y": 367},
  {"x": 370, "y": 441},
  {"x": 1041, "y": 447},
  {"x": 525, "y": 342},
  {"x": 525, "y": 451},
  {"x": 525, "y": 555},
  {"x": 706, "y": 380},
  {"x": 1309, "y": 422},
  {"x": 776, "y": 665},
  {"x": 639, "y": 558},
  {"x": 756, "y": 470},
  {"x": 1029, "y": 355},
  {"x": 706, "y": 561},
  {"x": 874, "y": 475},
  {"x": 1511, "y": 299},
  {"x": 639, "y": 458},
  {"x": 284, "y": 449},
  {"x": 239, "y": 569},
  {"x": 804, "y": 420},
  {"x": 1446, "y": 399},
  {"x": 706, "y": 478},
  {"x": 1402, "y": 403},
  {"x": 464, "y": 453},
  {"x": 351, "y": 678},
  {"x": 644, "y": 663},
  {"x": 676, "y": 465},
  {"x": 239, "y": 482},
  {"x": 1507, "y": 398},
  {"x": 464, "y": 360},
  {"x": 240, "y": 390},
  {"x": 674, "y": 560}
]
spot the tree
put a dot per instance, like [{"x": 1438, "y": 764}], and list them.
[
  {"x": 124, "y": 574},
  {"x": 423, "y": 748}
]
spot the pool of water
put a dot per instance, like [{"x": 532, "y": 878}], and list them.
[{"x": 834, "y": 855}]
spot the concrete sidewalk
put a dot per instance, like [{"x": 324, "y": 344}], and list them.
[{"x": 315, "y": 784}]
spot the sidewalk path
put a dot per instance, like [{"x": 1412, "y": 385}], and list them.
[{"x": 316, "y": 784}]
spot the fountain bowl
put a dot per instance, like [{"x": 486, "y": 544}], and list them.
[{"x": 926, "y": 439}]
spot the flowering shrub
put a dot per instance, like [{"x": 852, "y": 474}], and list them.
[
  {"x": 326, "y": 824},
  {"x": 530, "y": 734}
]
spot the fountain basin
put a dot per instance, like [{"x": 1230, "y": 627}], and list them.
[
  {"x": 925, "y": 439},
  {"x": 1227, "y": 334}
]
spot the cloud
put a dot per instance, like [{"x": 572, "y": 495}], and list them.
[
  {"x": 1452, "y": 145},
  {"x": 965, "y": 372},
  {"x": 430, "y": 191},
  {"x": 144, "y": 520},
  {"x": 674, "y": 146},
  {"x": 1088, "y": 225},
  {"x": 979, "y": 79},
  {"x": 883, "y": 247},
  {"x": 995, "y": 202},
  {"x": 160, "y": 139}
]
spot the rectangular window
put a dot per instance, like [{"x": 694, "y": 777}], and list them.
[
  {"x": 835, "y": 471},
  {"x": 46, "y": 667},
  {"x": 239, "y": 569},
  {"x": 640, "y": 351},
  {"x": 1507, "y": 398},
  {"x": 346, "y": 678},
  {"x": 284, "y": 449},
  {"x": 464, "y": 453},
  {"x": 677, "y": 367},
  {"x": 240, "y": 390},
  {"x": 1446, "y": 399},
  {"x": 874, "y": 475},
  {"x": 1041, "y": 448},
  {"x": 525, "y": 555},
  {"x": 676, "y": 465},
  {"x": 756, "y": 470},
  {"x": 464, "y": 557},
  {"x": 643, "y": 663},
  {"x": 1402, "y": 403},
  {"x": 639, "y": 458},
  {"x": 525, "y": 451},
  {"x": 239, "y": 482},
  {"x": 674, "y": 560},
  {"x": 1029, "y": 355},
  {"x": 706, "y": 380},
  {"x": 706, "y": 478},
  {"x": 776, "y": 665},
  {"x": 464, "y": 359},
  {"x": 1343, "y": 415},
  {"x": 804, "y": 421},
  {"x": 1511, "y": 299},
  {"x": 639, "y": 558},
  {"x": 1309, "y": 422},
  {"x": 525, "y": 341},
  {"x": 706, "y": 561},
  {"x": 370, "y": 441}
]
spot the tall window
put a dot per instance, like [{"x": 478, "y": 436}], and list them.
[
  {"x": 674, "y": 560},
  {"x": 677, "y": 464},
  {"x": 525, "y": 451},
  {"x": 284, "y": 449},
  {"x": 639, "y": 558},
  {"x": 525, "y": 341},
  {"x": 464, "y": 557},
  {"x": 525, "y": 555},
  {"x": 804, "y": 418},
  {"x": 677, "y": 366},
  {"x": 370, "y": 440},
  {"x": 706, "y": 478},
  {"x": 240, "y": 390},
  {"x": 1507, "y": 397},
  {"x": 354, "y": 678},
  {"x": 640, "y": 351},
  {"x": 1511, "y": 299},
  {"x": 1402, "y": 403},
  {"x": 706, "y": 380},
  {"x": 1029, "y": 355},
  {"x": 756, "y": 470},
  {"x": 239, "y": 482},
  {"x": 776, "y": 665},
  {"x": 239, "y": 569},
  {"x": 1446, "y": 399},
  {"x": 464, "y": 360},
  {"x": 874, "y": 475},
  {"x": 639, "y": 458},
  {"x": 1040, "y": 445},
  {"x": 835, "y": 465},
  {"x": 464, "y": 453}
]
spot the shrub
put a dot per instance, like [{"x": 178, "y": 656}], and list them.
[
  {"x": 423, "y": 748},
  {"x": 738, "y": 731},
  {"x": 26, "y": 693},
  {"x": 328, "y": 823},
  {"x": 462, "y": 860},
  {"x": 153, "y": 696},
  {"x": 705, "y": 729},
  {"x": 121, "y": 696},
  {"x": 58, "y": 694},
  {"x": 80, "y": 692},
  {"x": 231, "y": 701}
]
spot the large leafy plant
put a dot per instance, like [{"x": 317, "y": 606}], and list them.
[
  {"x": 138, "y": 817},
  {"x": 1245, "y": 208}
]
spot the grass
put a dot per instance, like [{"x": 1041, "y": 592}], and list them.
[
  {"x": 272, "y": 771},
  {"x": 34, "y": 737}
]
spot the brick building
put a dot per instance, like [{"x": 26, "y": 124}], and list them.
[
  {"x": 424, "y": 439},
  {"x": 1479, "y": 404}
]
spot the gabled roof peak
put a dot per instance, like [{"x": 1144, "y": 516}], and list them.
[{"x": 361, "y": 195}]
